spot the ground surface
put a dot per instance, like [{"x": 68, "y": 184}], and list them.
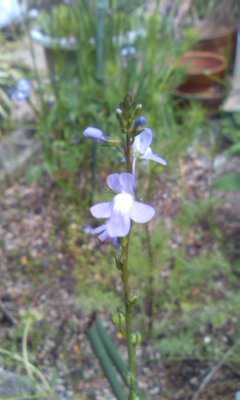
[{"x": 37, "y": 272}]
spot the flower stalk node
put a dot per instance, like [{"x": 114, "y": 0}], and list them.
[
  {"x": 136, "y": 339},
  {"x": 119, "y": 262},
  {"x": 131, "y": 380},
  {"x": 133, "y": 299}
]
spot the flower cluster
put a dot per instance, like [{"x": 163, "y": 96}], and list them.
[{"x": 124, "y": 208}]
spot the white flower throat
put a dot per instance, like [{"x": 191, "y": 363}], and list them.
[{"x": 122, "y": 202}]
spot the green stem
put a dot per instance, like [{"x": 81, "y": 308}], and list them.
[
  {"x": 127, "y": 296},
  {"x": 35, "y": 370},
  {"x": 150, "y": 289},
  {"x": 128, "y": 154},
  {"x": 24, "y": 349},
  {"x": 128, "y": 321}
]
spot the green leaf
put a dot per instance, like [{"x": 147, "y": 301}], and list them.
[{"x": 228, "y": 182}]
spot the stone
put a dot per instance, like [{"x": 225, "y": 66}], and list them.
[
  {"x": 14, "y": 385},
  {"x": 228, "y": 209}
]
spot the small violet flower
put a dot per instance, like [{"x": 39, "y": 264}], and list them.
[
  {"x": 141, "y": 147},
  {"x": 140, "y": 121},
  {"x": 94, "y": 133},
  {"x": 128, "y": 51},
  {"x": 33, "y": 13},
  {"x": 122, "y": 209},
  {"x": 22, "y": 89}
]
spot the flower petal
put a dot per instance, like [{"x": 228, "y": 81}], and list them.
[
  {"x": 118, "y": 225},
  {"x": 103, "y": 236},
  {"x": 102, "y": 210},
  {"x": 141, "y": 212},
  {"x": 127, "y": 182},
  {"x": 99, "y": 229},
  {"x": 142, "y": 141},
  {"x": 94, "y": 133},
  {"x": 113, "y": 181},
  {"x": 115, "y": 243},
  {"x": 149, "y": 155}
]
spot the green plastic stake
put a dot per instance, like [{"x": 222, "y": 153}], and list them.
[
  {"x": 111, "y": 349},
  {"x": 106, "y": 363}
]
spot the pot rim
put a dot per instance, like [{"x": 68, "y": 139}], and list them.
[
  {"x": 229, "y": 30},
  {"x": 201, "y": 95},
  {"x": 52, "y": 42},
  {"x": 214, "y": 55}
]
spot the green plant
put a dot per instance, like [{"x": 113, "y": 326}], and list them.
[
  {"x": 100, "y": 72},
  {"x": 57, "y": 23},
  {"x": 230, "y": 131},
  {"x": 36, "y": 378}
]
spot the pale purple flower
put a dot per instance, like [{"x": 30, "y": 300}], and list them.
[
  {"x": 22, "y": 89},
  {"x": 72, "y": 40},
  {"x": 94, "y": 133},
  {"x": 33, "y": 13},
  {"x": 141, "y": 148},
  {"x": 122, "y": 209},
  {"x": 98, "y": 135},
  {"x": 128, "y": 51}
]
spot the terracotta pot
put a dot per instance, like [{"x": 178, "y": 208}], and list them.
[
  {"x": 210, "y": 98},
  {"x": 222, "y": 39},
  {"x": 203, "y": 69}
]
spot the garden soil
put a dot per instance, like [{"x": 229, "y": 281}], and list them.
[{"x": 38, "y": 273}]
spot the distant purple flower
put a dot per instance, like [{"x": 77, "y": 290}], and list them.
[
  {"x": 94, "y": 133},
  {"x": 22, "y": 89},
  {"x": 72, "y": 40},
  {"x": 141, "y": 147},
  {"x": 122, "y": 209},
  {"x": 140, "y": 121},
  {"x": 33, "y": 13},
  {"x": 128, "y": 51}
]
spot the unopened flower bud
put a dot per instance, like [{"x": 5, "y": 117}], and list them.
[
  {"x": 139, "y": 124},
  {"x": 136, "y": 338},
  {"x": 133, "y": 298},
  {"x": 128, "y": 101},
  {"x": 115, "y": 141},
  {"x": 138, "y": 108},
  {"x": 140, "y": 121},
  {"x": 119, "y": 262},
  {"x": 119, "y": 111},
  {"x": 94, "y": 133},
  {"x": 136, "y": 397},
  {"x": 120, "y": 117},
  {"x": 119, "y": 318},
  {"x": 131, "y": 379}
]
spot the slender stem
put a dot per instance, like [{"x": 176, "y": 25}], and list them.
[
  {"x": 25, "y": 350},
  {"x": 128, "y": 320},
  {"x": 35, "y": 370},
  {"x": 128, "y": 303},
  {"x": 128, "y": 155},
  {"x": 150, "y": 289}
]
